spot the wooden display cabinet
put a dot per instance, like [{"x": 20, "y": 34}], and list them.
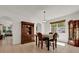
[
  {"x": 27, "y": 32},
  {"x": 74, "y": 32}
]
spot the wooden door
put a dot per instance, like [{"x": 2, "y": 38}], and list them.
[{"x": 27, "y": 32}]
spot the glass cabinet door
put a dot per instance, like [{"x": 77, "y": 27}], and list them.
[
  {"x": 74, "y": 32},
  {"x": 71, "y": 25},
  {"x": 71, "y": 31},
  {"x": 77, "y": 33}
]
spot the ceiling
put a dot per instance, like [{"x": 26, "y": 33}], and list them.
[{"x": 36, "y": 11}]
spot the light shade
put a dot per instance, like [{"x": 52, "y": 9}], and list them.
[{"x": 44, "y": 21}]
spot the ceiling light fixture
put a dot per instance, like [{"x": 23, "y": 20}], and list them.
[{"x": 44, "y": 12}]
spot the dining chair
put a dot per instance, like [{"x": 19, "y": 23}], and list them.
[
  {"x": 53, "y": 39},
  {"x": 40, "y": 39}
]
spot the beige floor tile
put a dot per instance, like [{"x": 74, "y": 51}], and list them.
[{"x": 7, "y": 47}]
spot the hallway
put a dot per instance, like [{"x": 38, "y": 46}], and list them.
[{"x": 7, "y": 41}]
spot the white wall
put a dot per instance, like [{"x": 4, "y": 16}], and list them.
[
  {"x": 52, "y": 12},
  {"x": 6, "y": 20},
  {"x": 15, "y": 19},
  {"x": 73, "y": 16},
  {"x": 34, "y": 14}
]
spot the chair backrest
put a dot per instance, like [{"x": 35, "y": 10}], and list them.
[
  {"x": 50, "y": 35},
  {"x": 39, "y": 36},
  {"x": 55, "y": 36}
]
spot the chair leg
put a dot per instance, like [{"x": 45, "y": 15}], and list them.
[
  {"x": 53, "y": 45},
  {"x": 41, "y": 44},
  {"x": 38, "y": 43}
]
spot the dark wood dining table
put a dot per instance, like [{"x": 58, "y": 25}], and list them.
[{"x": 45, "y": 37}]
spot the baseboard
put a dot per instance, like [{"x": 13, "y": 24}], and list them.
[{"x": 63, "y": 42}]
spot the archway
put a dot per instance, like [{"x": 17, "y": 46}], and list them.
[{"x": 6, "y": 30}]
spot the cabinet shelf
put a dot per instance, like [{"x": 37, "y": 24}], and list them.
[{"x": 27, "y": 32}]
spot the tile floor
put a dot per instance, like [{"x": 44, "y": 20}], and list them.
[
  {"x": 7, "y": 47},
  {"x": 6, "y": 41}
]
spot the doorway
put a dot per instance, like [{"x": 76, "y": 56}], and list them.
[{"x": 6, "y": 36}]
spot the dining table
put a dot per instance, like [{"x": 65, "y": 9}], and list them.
[{"x": 46, "y": 38}]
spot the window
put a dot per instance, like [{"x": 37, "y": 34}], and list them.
[
  {"x": 61, "y": 27},
  {"x": 53, "y": 27},
  {"x": 58, "y": 26}
]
